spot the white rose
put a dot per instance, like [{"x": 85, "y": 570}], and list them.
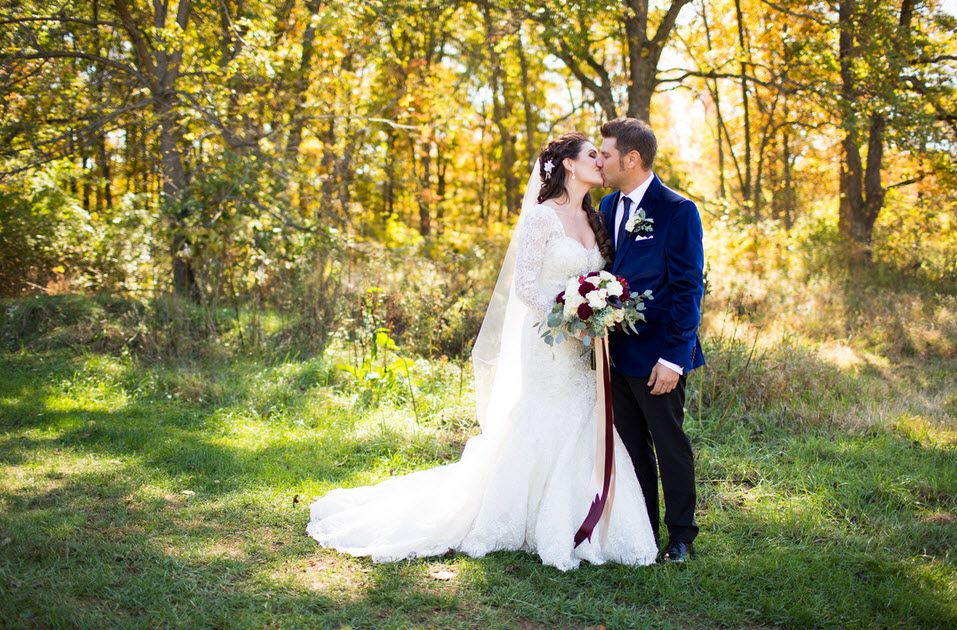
[
  {"x": 606, "y": 275},
  {"x": 615, "y": 288},
  {"x": 596, "y": 299},
  {"x": 572, "y": 302},
  {"x": 632, "y": 223}
]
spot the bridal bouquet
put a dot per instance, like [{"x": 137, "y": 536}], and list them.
[{"x": 593, "y": 304}]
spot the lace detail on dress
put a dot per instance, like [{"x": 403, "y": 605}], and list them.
[
  {"x": 543, "y": 236},
  {"x": 537, "y": 230}
]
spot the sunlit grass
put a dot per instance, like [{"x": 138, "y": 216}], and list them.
[{"x": 178, "y": 493}]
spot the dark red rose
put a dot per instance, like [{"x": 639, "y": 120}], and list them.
[
  {"x": 561, "y": 298},
  {"x": 584, "y": 311},
  {"x": 593, "y": 274},
  {"x": 585, "y": 288}
]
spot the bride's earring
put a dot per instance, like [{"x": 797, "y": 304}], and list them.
[{"x": 573, "y": 173}]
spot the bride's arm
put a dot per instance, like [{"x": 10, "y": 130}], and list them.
[{"x": 532, "y": 238}]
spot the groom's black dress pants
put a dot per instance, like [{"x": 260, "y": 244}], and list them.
[{"x": 649, "y": 426}]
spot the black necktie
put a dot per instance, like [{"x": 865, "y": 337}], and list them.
[{"x": 625, "y": 215}]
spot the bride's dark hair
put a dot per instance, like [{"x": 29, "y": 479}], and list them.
[{"x": 569, "y": 145}]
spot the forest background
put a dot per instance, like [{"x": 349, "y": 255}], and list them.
[{"x": 289, "y": 215}]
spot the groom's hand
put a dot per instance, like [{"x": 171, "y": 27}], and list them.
[{"x": 662, "y": 380}]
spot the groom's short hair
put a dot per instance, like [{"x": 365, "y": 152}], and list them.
[{"x": 631, "y": 134}]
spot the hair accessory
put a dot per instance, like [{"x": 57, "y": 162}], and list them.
[{"x": 548, "y": 165}]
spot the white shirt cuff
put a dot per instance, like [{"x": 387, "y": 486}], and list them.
[{"x": 671, "y": 366}]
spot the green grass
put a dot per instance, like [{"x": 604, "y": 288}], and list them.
[{"x": 176, "y": 494}]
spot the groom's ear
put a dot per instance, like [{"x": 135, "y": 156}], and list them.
[{"x": 633, "y": 159}]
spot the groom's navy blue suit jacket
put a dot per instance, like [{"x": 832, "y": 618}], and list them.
[{"x": 671, "y": 264}]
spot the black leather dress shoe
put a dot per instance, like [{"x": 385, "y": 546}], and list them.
[{"x": 677, "y": 552}]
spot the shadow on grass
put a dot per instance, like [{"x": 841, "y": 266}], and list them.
[
  {"x": 187, "y": 454},
  {"x": 799, "y": 527},
  {"x": 89, "y": 550}
]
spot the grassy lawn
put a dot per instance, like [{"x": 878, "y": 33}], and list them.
[{"x": 176, "y": 494}]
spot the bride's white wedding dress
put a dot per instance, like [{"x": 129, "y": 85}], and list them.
[{"x": 526, "y": 482}]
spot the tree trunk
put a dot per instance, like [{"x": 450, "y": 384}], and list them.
[
  {"x": 302, "y": 82},
  {"x": 644, "y": 52},
  {"x": 73, "y": 154},
  {"x": 862, "y": 193},
  {"x": 642, "y": 62},
  {"x": 643, "y": 83},
  {"x": 873, "y": 190},
  {"x": 767, "y": 135},
  {"x": 482, "y": 158},
  {"x": 174, "y": 188},
  {"x": 746, "y": 190},
  {"x": 106, "y": 173},
  {"x": 160, "y": 68},
  {"x": 787, "y": 203},
  {"x": 389, "y": 185},
  {"x": 716, "y": 98},
  {"x": 501, "y": 108},
  {"x": 442, "y": 164},
  {"x": 329, "y": 166},
  {"x": 425, "y": 192},
  {"x": 531, "y": 147},
  {"x": 852, "y": 199},
  {"x": 85, "y": 170}
]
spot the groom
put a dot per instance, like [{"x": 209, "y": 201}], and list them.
[{"x": 658, "y": 246}]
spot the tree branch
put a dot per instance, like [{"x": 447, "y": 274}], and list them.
[
  {"x": 601, "y": 91},
  {"x": 69, "y": 54},
  {"x": 907, "y": 182},
  {"x": 668, "y": 23},
  {"x": 805, "y": 16},
  {"x": 23, "y": 20},
  {"x": 144, "y": 59}
]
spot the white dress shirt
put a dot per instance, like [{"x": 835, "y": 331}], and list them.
[{"x": 636, "y": 196}]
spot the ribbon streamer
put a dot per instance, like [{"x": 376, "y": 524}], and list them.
[{"x": 604, "y": 445}]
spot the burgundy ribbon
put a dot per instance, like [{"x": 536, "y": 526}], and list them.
[{"x": 598, "y": 505}]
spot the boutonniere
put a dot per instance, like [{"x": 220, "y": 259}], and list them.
[{"x": 639, "y": 223}]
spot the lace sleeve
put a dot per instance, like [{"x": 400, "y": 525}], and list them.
[{"x": 532, "y": 238}]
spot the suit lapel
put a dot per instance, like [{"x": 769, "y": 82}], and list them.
[
  {"x": 609, "y": 211},
  {"x": 647, "y": 202},
  {"x": 609, "y": 215}
]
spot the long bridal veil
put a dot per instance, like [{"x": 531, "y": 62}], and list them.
[{"x": 496, "y": 358}]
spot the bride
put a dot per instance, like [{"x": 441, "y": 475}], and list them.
[{"x": 528, "y": 479}]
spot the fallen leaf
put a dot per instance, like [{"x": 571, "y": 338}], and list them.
[{"x": 442, "y": 574}]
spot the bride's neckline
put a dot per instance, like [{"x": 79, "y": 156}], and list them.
[{"x": 565, "y": 233}]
